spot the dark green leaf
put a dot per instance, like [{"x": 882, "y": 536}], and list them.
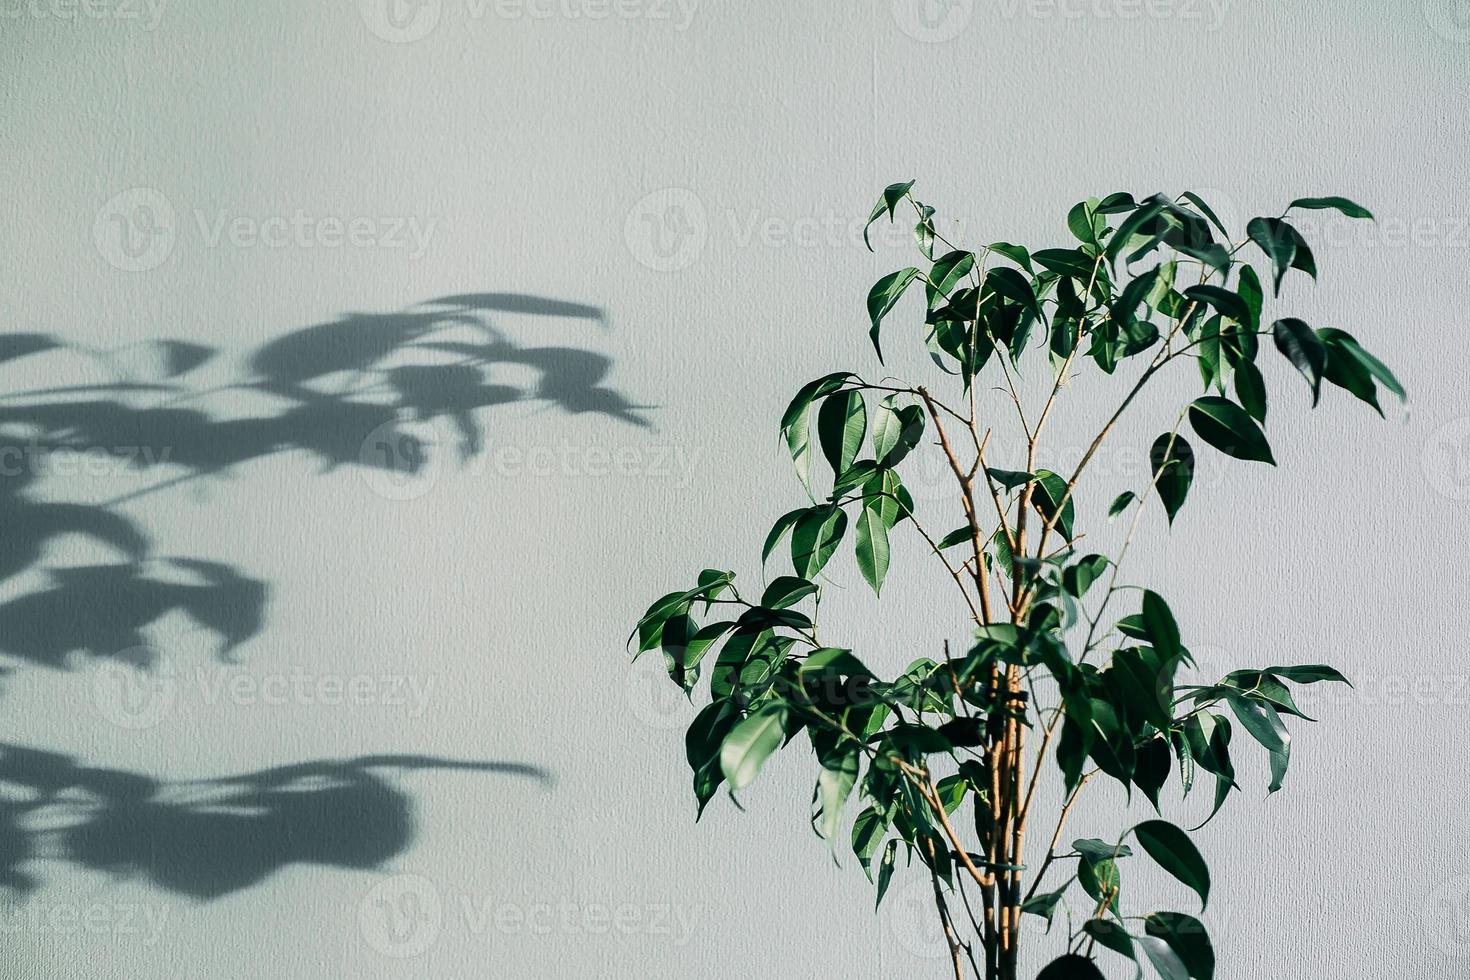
[
  {"x": 882, "y": 296},
  {"x": 1015, "y": 253},
  {"x": 1222, "y": 299},
  {"x": 787, "y": 590},
  {"x": 1173, "y": 851},
  {"x": 1227, "y": 427},
  {"x": 1205, "y": 210},
  {"x": 1264, "y": 725},
  {"x": 796, "y": 423},
  {"x": 1250, "y": 388},
  {"x": 1172, "y": 454},
  {"x": 1303, "y": 348},
  {"x": 1121, "y": 502},
  {"x": 1163, "y": 631},
  {"x": 1010, "y": 479},
  {"x": 1250, "y": 290},
  {"x": 1111, "y": 935},
  {"x": 892, "y": 194},
  {"x": 1188, "y": 939},
  {"x": 842, "y": 422},
  {"x": 1047, "y": 494},
  {"x": 885, "y": 869},
  {"x": 1309, "y": 674},
  {"x": 948, "y": 270},
  {"x": 1071, "y": 967},
  {"x": 1279, "y": 245},
  {"x": 1336, "y": 203},
  {"x": 867, "y": 833},
  {"x": 815, "y": 537}
]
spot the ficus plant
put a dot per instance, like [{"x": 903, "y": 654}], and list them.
[{"x": 1069, "y": 668}]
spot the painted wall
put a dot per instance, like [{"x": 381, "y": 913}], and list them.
[{"x": 388, "y": 728}]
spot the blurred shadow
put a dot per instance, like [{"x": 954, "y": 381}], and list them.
[
  {"x": 348, "y": 392},
  {"x": 208, "y": 838}
]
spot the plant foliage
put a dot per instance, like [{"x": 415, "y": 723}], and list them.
[{"x": 933, "y": 764}]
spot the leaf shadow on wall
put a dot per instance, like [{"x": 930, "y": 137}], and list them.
[{"x": 348, "y": 393}]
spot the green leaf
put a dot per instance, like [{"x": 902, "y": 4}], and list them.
[
  {"x": 1309, "y": 674},
  {"x": 1336, "y": 203},
  {"x": 834, "y": 785},
  {"x": 1250, "y": 388},
  {"x": 1163, "y": 957},
  {"x": 1222, "y": 299},
  {"x": 1101, "y": 850},
  {"x": 948, "y": 270},
  {"x": 867, "y": 833},
  {"x": 892, "y": 194},
  {"x": 1044, "y": 904},
  {"x": 1353, "y": 369},
  {"x": 1303, "y": 348},
  {"x": 882, "y": 296},
  {"x": 786, "y": 590},
  {"x": 886, "y": 426},
  {"x": 1068, "y": 262},
  {"x": 1071, "y": 967},
  {"x": 1187, "y": 937},
  {"x": 1250, "y": 290},
  {"x": 872, "y": 545},
  {"x": 1227, "y": 427},
  {"x": 796, "y": 422},
  {"x": 1045, "y": 497},
  {"x": 1172, "y": 454},
  {"x": 1078, "y": 578},
  {"x": 1121, "y": 502},
  {"x": 750, "y": 743},
  {"x": 1163, "y": 631},
  {"x": 702, "y": 748},
  {"x": 1205, "y": 210},
  {"x": 814, "y": 538},
  {"x": 1110, "y": 935},
  {"x": 778, "y": 531},
  {"x": 885, "y": 870},
  {"x": 1099, "y": 878},
  {"x": 1015, "y": 253},
  {"x": 1173, "y": 851},
  {"x": 1279, "y": 246},
  {"x": 1010, "y": 479},
  {"x": 960, "y": 535},
  {"x": 842, "y": 422},
  {"x": 1264, "y": 725}
]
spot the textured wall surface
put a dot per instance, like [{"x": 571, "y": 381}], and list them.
[{"x": 387, "y": 726}]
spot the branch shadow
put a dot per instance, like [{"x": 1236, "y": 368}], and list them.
[
  {"x": 346, "y": 393},
  {"x": 208, "y": 838}
]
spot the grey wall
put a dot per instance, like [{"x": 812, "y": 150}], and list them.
[{"x": 226, "y": 175}]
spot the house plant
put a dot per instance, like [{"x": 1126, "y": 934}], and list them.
[{"x": 1070, "y": 668}]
